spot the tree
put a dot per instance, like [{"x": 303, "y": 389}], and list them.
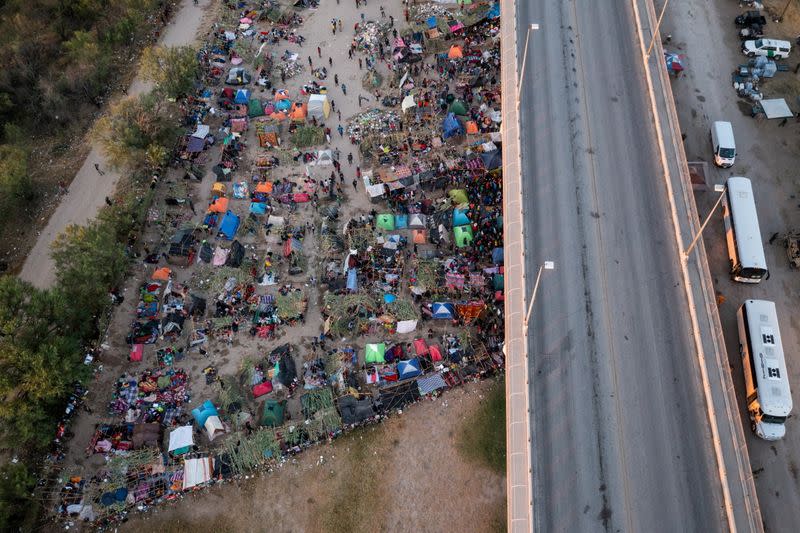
[
  {"x": 15, "y": 183},
  {"x": 135, "y": 126},
  {"x": 172, "y": 68},
  {"x": 16, "y": 483}
]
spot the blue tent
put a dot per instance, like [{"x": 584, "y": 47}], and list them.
[
  {"x": 202, "y": 413},
  {"x": 443, "y": 310},
  {"x": 492, "y": 160},
  {"x": 401, "y": 221},
  {"x": 451, "y": 126},
  {"x": 431, "y": 22},
  {"x": 258, "y": 208},
  {"x": 408, "y": 369},
  {"x": 229, "y": 225},
  {"x": 352, "y": 279},
  {"x": 497, "y": 256},
  {"x": 389, "y": 298},
  {"x": 494, "y": 11},
  {"x": 242, "y": 96},
  {"x": 283, "y": 105},
  {"x": 460, "y": 217}
]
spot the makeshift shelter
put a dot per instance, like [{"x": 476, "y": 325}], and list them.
[
  {"x": 463, "y": 235},
  {"x": 229, "y": 226},
  {"x": 398, "y": 396},
  {"x": 455, "y": 52},
  {"x": 458, "y": 196},
  {"x": 238, "y": 76},
  {"x": 386, "y": 221},
  {"x": 254, "y": 108},
  {"x": 442, "y": 310},
  {"x": 355, "y": 411},
  {"x": 408, "y": 103},
  {"x": 375, "y": 353},
  {"x": 273, "y": 413},
  {"x": 451, "y": 126},
  {"x": 458, "y": 108},
  {"x": 242, "y": 96},
  {"x": 299, "y": 111},
  {"x": 492, "y": 160},
  {"x": 409, "y": 369},
  {"x": 318, "y": 106},
  {"x": 207, "y": 417},
  {"x": 181, "y": 440},
  {"x": 196, "y": 471}
]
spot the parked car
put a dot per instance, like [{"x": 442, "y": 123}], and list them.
[
  {"x": 749, "y": 18},
  {"x": 772, "y": 48}
]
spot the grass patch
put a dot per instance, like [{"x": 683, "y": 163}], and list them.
[
  {"x": 483, "y": 436},
  {"x": 357, "y": 494}
]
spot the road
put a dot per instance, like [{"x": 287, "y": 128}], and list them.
[
  {"x": 621, "y": 438},
  {"x": 89, "y": 188}
]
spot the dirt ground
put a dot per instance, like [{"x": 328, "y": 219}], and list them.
[
  {"x": 403, "y": 475},
  {"x": 768, "y": 154}
]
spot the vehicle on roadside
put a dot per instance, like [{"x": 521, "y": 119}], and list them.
[
  {"x": 723, "y": 144},
  {"x": 742, "y": 233},
  {"x": 749, "y": 18},
  {"x": 772, "y": 48},
  {"x": 766, "y": 381}
]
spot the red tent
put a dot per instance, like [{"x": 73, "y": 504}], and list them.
[
  {"x": 136, "y": 352},
  {"x": 421, "y": 347},
  {"x": 262, "y": 388},
  {"x": 436, "y": 355}
]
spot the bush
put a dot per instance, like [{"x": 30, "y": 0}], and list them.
[
  {"x": 15, "y": 184},
  {"x": 16, "y": 482},
  {"x": 173, "y": 69}
]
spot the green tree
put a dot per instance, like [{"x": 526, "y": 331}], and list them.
[
  {"x": 173, "y": 69},
  {"x": 133, "y": 127},
  {"x": 15, "y": 183},
  {"x": 16, "y": 483}
]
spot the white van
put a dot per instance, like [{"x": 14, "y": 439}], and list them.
[
  {"x": 723, "y": 144},
  {"x": 772, "y": 48}
]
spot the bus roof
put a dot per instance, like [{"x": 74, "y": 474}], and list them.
[
  {"x": 771, "y": 376},
  {"x": 742, "y": 206}
]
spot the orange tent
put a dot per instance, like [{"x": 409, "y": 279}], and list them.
[
  {"x": 218, "y": 188},
  {"x": 264, "y": 187},
  {"x": 419, "y": 236},
  {"x": 281, "y": 94},
  {"x": 455, "y": 52},
  {"x": 162, "y": 274},
  {"x": 472, "y": 127},
  {"x": 220, "y": 205},
  {"x": 299, "y": 111}
]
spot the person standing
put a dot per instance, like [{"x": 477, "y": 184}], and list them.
[
  {"x": 336, "y": 80},
  {"x": 319, "y": 51},
  {"x": 360, "y": 63},
  {"x": 341, "y": 130},
  {"x": 355, "y": 184},
  {"x": 97, "y": 168},
  {"x": 344, "y": 89},
  {"x": 310, "y": 64}
]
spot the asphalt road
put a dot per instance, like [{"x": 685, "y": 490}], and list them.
[{"x": 620, "y": 432}]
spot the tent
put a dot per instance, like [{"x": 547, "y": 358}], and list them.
[
  {"x": 324, "y": 158},
  {"x": 318, "y": 106},
  {"x": 419, "y": 236},
  {"x": 258, "y": 208},
  {"x": 238, "y": 76},
  {"x": 229, "y": 225},
  {"x": 459, "y": 196},
  {"x": 197, "y": 471},
  {"x": 242, "y": 96},
  {"x": 220, "y": 205},
  {"x": 417, "y": 221},
  {"x": 400, "y": 221},
  {"x": 207, "y": 416},
  {"x": 460, "y": 217},
  {"x": 264, "y": 187},
  {"x": 431, "y": 22},
  {"x": 472, "y": 127},
  {"x": 281, "y": 94},
  {"x": 386, "y": 221},
  {"x": 355, "y": 411},
  {"x": 283, "y": 105},
  {"x": 451, "y": 126},
  {"x": 236, "y": 256},
  {"x": 455, "y": 52},
  {"x": 162, "y": 274},
  {"x": 408, "y": 103},
  {"x": 458, "y": 108},
  {"x": 254, "y": 108},
  {"x": 299, "y": 111},
  {"x": 218, "y": 189},
  {"x": 498, "y": 280},
  {"x": 409, "y": 369},
  {"x": 375, "y": 353},
  {"x": 202, "y": 131},
  {"x": 492, "y": 160},
  {"x": 262, "y": 388},
  {"x": 442, "y": 310},
  {"x": 352, "y": 280},
  {"x": 195, "y": 145},
  {"x": 463, "y": 235},
  {"x": 181, "y": 440},
  {"x": 497, "y": 256},
  {"x": 273, "y": 413}
]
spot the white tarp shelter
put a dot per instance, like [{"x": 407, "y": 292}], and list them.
[
  {"x": 406, "y": 326},
  {"x": 318, "y": 106},
  {"x": 202, "y": 131},
  {"x": 408, "y": 103},
  {"x": 776, "y": 108},
  {"x": 181, "y": 437},
  {"x": 214, "y": 427},
  {"x": 197, "y": 471}
]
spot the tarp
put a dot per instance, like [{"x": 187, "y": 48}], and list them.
[
  {"x": 463, "y": 235},
  {"x": 229, "y": 225},
  {"x": 318, "y": 106},
  {"x": 460, "y": 217},
  {"x": 498, "y": 281},
  {"x": 355, "y": 411},
  {"x": 429, "y": 384},
  {"x": 408, "y": 103},
  {"x": 409, "y": 369},
  {"x": 195, "y": 145},
  {"x": 451, "y": 126},
  {"x": 458, "y": 108},
  {"x": 264, "y": 187},
  {"x": 181, "y": 439},
  {"x": 273, "y": 413},
  {"x": 497, "y": 256},
  {"x": 254, "y": 108},
  {"x": 431, "y": 22},
  {"x": 442, "y": 310},
  {"x": 375, "y": 353},
  {"x": 352, "y": 280},
  {"x": 492, "y": 160},
  {"x": 197, "y": 471},
  {"x": 494, "y": 11},
  {"x": 406, "y": 326},
  {"x": 242, "y": 96},
  {"x": 201, "y": 131},
  {"x": 386, "y": 221},
  {"x": 136, "y": 352},
  {"x": 421, "y": 347},
  {"x": 776, "y": 108},
  {"x": 214, "y": 427},
  {"x": 459, "y": 196}
]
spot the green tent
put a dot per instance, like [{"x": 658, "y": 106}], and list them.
[
  {"x": 273, "y": 413},
  {"x": 498, "y": 281},
  {"x": 254, "y": 108},
  {"x": 463, "y": 235},
  {"x": 386, "y": 221},
  {"x": 458, "y": 108},
  {"x": 374, "y": 353},
  {"x": 459, "y": 196}
]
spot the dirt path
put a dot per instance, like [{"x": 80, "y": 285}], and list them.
[
  {"x": 403, "y": 475},
  {"x": 89, "y": 189}
]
